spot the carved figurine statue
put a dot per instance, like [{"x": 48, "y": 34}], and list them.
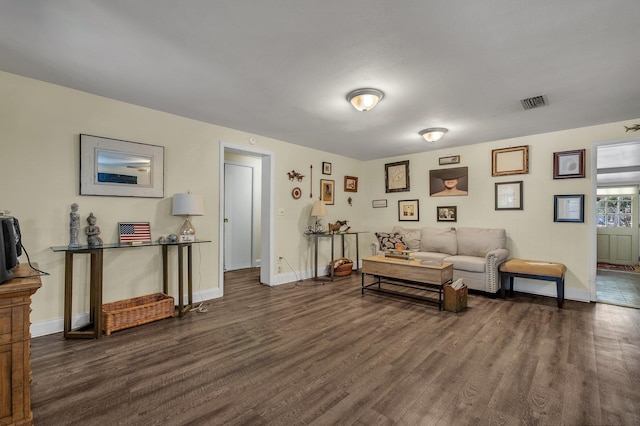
[
  {"x": 92, "y": 231},
  {"x": 74, "y": 226},
  {"x": 336, "y": 228}
]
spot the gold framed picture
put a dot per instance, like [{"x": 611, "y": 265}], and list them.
[
  {"x": 510, "y": 161},
  {"x": 327, "y": 191}
]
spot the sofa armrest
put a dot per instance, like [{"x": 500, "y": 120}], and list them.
[
  {"x": 494, "y": 259},
  {"x": 500, "y": 255}
]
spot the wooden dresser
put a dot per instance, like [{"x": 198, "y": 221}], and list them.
[{"x": 15, "y": 365}]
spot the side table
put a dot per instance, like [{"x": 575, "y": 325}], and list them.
[{"x": 316, "y": 237}]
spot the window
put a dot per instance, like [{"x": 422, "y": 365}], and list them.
[{"x": 614, "y": 211}]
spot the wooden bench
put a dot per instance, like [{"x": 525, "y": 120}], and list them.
[{"x": 533, "y": 269}]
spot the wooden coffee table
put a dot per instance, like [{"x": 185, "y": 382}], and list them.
[{"x": 408, "y": 274}]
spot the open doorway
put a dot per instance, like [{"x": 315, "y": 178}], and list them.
[
  {"x": 616, "y": 276},
  {"x": 262, "y": 247}
]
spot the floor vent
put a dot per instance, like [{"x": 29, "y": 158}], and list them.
[{"x": 534, "y": 102}]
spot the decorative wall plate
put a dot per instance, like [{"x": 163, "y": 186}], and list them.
[{"x": 296, "y": 193}]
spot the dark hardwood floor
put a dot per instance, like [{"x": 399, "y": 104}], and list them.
[{"x": 323, "y": 354}]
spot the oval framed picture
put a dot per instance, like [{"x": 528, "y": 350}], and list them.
[{"x": 296, "y": 193}]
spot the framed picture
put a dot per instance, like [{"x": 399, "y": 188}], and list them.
[
  {"x": 509, "y": 195},
  {"x": 377, "y": 204},
  {"x": 510, "y": 161},
  {"x": 408, "y": 210},
  {"x": 327, "y": 191},
  {"x": 326, "y": 168},
  {"x": 134, "y": 233},
  {"x": 120, "y": 168},
  {"x": 453, "y": 159},
  {"x": 396, "y": 176},
  {"x": 350, "y": 184},
  {"x": 568, "y": 208},
  {"x": 447, "y": 213},
  {"x": 568, "y": 164},
  {"x": 444, "y": 182}
]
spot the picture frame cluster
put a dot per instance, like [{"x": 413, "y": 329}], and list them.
[{"x": 508, "y": 195}]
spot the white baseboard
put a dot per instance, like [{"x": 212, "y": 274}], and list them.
[{"x": 43, "y": 328}]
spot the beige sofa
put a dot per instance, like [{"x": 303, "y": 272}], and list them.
[{"x": 476, "y": 253}]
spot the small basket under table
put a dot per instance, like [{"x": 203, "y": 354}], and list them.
[{"x": 137, "y": 311}]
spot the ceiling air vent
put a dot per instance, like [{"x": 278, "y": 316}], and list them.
[{"x": 534, "y": 102}]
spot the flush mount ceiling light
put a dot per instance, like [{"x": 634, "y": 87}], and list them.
[
  {"x": 365, "y": 99},
  {"x": 433, "y": 134}
]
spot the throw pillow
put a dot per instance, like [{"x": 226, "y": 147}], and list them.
[
  {"x": 410, "y": 236},
  {"x": 439, "y": 240},
  {"x": 388, "y": 240}
]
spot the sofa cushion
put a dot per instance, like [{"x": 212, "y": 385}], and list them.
[
  {"x": 438, "y": 240},
  {"x": 467, "y": 263},
  {"x": 430, "y": 255},
  {"x": 480, "y": 241},
  {"x": 410, "y": 236},
  {"x": 388, "y": 240}
]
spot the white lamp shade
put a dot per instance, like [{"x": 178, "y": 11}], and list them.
[
  {"x": 319, "y": 209},
  {"x": 188, "y": 205}
]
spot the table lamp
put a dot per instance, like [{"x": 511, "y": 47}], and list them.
[
  {"x": 187, "y": 205},
  {"x": 319, "y": 210}
]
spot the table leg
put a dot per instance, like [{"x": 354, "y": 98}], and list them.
[
  {"x": 180, "y": 281},
  {"x": 189, "y": 277},
  {"x": 315, "y": 274},
  {"x": 165, "y": 269},
  {"x": 96, "y": 289},
  {"x": 331, "y": 268},
  {"x": 357, "y": 255},
  {"x": 68, "y": 291}
]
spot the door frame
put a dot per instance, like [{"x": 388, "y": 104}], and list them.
[
  {"x": 266, "y": 201},
  {"x": 593, "y": 212}
]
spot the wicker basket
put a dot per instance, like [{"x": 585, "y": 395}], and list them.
[
  {"x": 137, "y": 311},
  {"x": 345, "y": 267}
]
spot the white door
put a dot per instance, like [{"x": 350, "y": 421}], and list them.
[
  {"x": 238, "y": 216},
  {"x": 618, "y": 244}
]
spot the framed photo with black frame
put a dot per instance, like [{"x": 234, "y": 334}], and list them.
[
  {"x": 568, "y": 208},
  {"x": 396, "y": 176},
  {"x": 509, "y": 195},
  {"x": 326, "y": 168},
  {"x": 447, "y": 213},
  {"x": 408, "y": 210}
]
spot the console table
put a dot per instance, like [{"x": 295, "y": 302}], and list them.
[
  {"x": 316, "y": 237},
  {"x": 93, "y": 329},
  {"x": 15, "y": 341}
]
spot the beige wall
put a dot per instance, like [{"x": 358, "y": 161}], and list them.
[
  {"x": 531, "y": 232},
  {"x": 40, "y": 125}
]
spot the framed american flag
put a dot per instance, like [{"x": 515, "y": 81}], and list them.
[{"x": 134, "y": 232}]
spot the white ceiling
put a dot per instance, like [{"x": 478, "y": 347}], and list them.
[{"x": 282, "y": 69}]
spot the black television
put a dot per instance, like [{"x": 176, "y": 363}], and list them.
[{"x": 10, "y": 247}]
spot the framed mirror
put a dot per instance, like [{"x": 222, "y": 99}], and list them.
[{"x": 119, "y": 168}]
